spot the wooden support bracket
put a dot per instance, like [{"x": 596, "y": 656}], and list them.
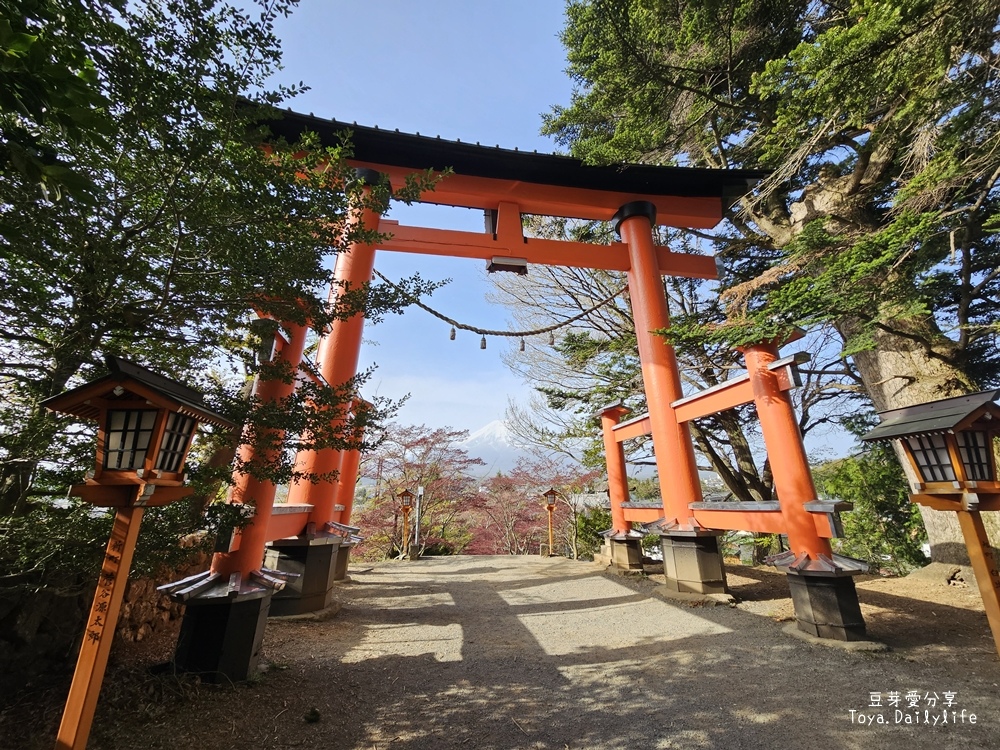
[{"x": 985, "y": 566}]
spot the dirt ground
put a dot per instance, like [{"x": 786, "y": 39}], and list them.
[{"x": 502, "y": 652}]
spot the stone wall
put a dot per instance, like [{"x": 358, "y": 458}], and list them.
[
  {"x": 145, "y": 610},
  {"x": 40, "y": 628}
]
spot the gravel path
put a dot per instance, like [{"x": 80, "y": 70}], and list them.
[{"x": 502, "y": 652}]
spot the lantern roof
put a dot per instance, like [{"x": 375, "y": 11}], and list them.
[
  {"x": 126, "y": 380},
  {"x": 945, "y": 415}
]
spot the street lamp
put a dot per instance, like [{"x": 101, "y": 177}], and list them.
[
  {"x": 146, "y": 424},
  {"x": 406, "y": 500},
  {"x": 550, "y": 506}
]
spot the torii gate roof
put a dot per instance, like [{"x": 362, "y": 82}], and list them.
[{"x": 545, "y": 184}]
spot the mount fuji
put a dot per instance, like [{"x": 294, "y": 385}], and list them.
[{"x": 495, "y": 445}]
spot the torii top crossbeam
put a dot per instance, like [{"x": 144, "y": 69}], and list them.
[
  {"x": 513, "y": 182},
  {"x": 544, "y": 184}
]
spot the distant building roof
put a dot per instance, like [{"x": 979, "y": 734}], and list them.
[{"x": 590, "y": 500}]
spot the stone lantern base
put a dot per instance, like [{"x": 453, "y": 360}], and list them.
[
  {"x": 220, "y": 639},
  {"x": 314, "y": 562},
  {"x": 692, "y": 564}
]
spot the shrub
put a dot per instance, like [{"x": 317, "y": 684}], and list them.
[{"x": 884, "y": 529}]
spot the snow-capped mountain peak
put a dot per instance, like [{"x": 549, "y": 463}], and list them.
[
  {"x": 495, "y": 445},
  {"x": 494, "y": 433}
]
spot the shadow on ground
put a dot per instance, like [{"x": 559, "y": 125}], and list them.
[{"x": 537, "y": 653}]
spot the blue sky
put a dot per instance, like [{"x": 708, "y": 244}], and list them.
[{"x": 475, "y": 71}]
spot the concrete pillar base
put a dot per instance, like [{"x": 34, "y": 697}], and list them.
[
  {"x": 693, "y": 564},
  {"x": 626, "y": 554},
  {"x": 827, "y": 606},
  {"x": 220, "y": 638},
  {"x": 314, "y": 563},
  {"x": 343, "y": 555}
]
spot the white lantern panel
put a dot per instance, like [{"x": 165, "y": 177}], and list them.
[
  {"x": 974, "y": 448},
  {"x": 127, "y": 438},
  {"x": 931, "y": 455},
  {"x": 176, "y": 436}
]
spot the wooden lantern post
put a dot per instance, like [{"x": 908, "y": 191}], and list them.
[
  {"x": 950, "y": 449},
  {"x": 146, "y": 424},
  {"x": 550, "y": 506},
  {"x": 406, "y": 501}
]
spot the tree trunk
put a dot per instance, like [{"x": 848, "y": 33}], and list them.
[
  {"x": 740, "y": 474},
  {"x": 15, "y": 481},
  {"x": 26, "y": 451},
  {"x": 902, "y": 371},
  {"x": 33, "y": 443}
]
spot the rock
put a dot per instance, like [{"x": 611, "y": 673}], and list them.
[
  {"x": 944, "y": 573},
  {"x": 137, "y": 589},
  {"x": 160, "y": 619},
  {"x": 142, "y": 612}
]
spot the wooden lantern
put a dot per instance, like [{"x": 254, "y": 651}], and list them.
[
  {"x": 949, "y": 445},
  {"x": 146, "y": 424},
  {"x": 550, "y": 498},
  {"x": 951, "y": 448}
]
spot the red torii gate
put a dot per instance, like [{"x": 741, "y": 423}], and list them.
[{"x": 506, "y": 184}]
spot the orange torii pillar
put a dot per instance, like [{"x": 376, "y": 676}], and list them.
[
  {"x": 346, "y": 482},
  {"x": 348, "y": 478},
  {"x": 691, "y": 558},
  {"x": 318, "y": 555},
  {"x": 223, "y": 625},
  {"x": 624, "y": 543},
  {"x": 821, "y": 582}
]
